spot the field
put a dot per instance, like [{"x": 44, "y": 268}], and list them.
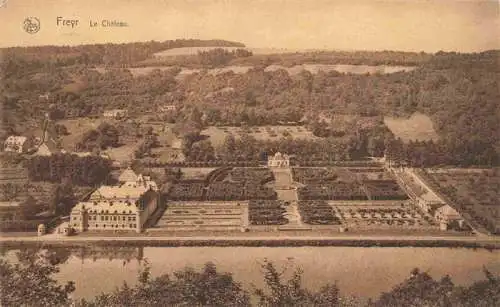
[
  {"x": 475, "y": 192},
  {"x": 347, "y": 69},
  {"x": 217, "y": 135},
  {"x": 292, "y": 71},
  {"x": 183, "y": 51},
  {"x": 200, "y": 173},
  {"x": 121, "y": 154},
  {"x": 417, "y": 127},
  {"x": 76, "y": 128}
]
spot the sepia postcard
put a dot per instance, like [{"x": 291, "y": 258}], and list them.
[{"x": 250, "y": 153}]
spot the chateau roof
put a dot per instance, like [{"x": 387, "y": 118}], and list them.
[
  {"x": 119, "y": 192},
  {"x": 43, "y": 150},
  {"x": 128, "y": 175},
  {"x": 120, "y": 207}
]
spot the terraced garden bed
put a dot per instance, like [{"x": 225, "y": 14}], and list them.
[
  {"x": 257, "y": 175},
  {"x": 317, "y": 213},
  {"x": 384, "y": 190},
  {"x": 229, "y": 191},
  {"x": 186, "y": 191},
  {"x": 334, "y": 191},
  {"x": 391, "y": 216},
  {"x": 266, "y": 212},
  {"x": 314, "y": 175}
]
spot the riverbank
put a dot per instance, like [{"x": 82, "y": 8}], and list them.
[{"x": 490, "y": 243}]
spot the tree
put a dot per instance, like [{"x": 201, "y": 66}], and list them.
[
  {"x": 106, "y": 135},
  {"x": 186, "y": 287},
  {"x": 290, "y": 292},
  {"x": 61, "y": 129},
  {"x": 63, "y": 198},
  {"x": 109, "y": 136},
  {"x": 420, "y": 289},
  {"x": 30, "y": 282},
  {"x": 172, "y": 174},
  {"x": 483, "y": 293}
]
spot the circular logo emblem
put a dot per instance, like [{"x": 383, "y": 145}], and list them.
[{"x": 31, "y": 25}]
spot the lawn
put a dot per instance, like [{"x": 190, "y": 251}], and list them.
[
  {"x": 123, "y": 153},
  {"x": 76, "y": 128},
  {"x": 418, "y": 127},
  {"x": 201, "y": 173}
]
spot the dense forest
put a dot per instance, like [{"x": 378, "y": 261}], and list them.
[
  {"x": 87, "y": 171},
  {"x": 31, "y": 282},
  {"x": 460, "y": 92}
]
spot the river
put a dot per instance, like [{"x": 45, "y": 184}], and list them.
[{"x": 363, "y": 272}]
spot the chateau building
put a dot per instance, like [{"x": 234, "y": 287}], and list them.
[
  {"x": 122, "y": 207},
  {"x": 279, "y": 160}
]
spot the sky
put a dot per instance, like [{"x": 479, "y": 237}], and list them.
[{"x": 405, "y": 25}]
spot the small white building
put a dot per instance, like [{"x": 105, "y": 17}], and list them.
[
  {"x": 44, "y": 97},
  {"x": 116, "y": 113},
  {"x": 19, "y": 144},
  {"x": 446, "y": 216},
  {"x": 279, "y": 160},
  {"x": 167, "y": 108}
]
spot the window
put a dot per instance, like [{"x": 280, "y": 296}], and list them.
[
  {"x": 131, "y": 225},
  {"x": 123, "y": 218}
]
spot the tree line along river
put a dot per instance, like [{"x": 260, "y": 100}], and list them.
[{"x": 361, "y": 271}]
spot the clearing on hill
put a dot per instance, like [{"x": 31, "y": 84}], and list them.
[{"x": 418, "y": 127}]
